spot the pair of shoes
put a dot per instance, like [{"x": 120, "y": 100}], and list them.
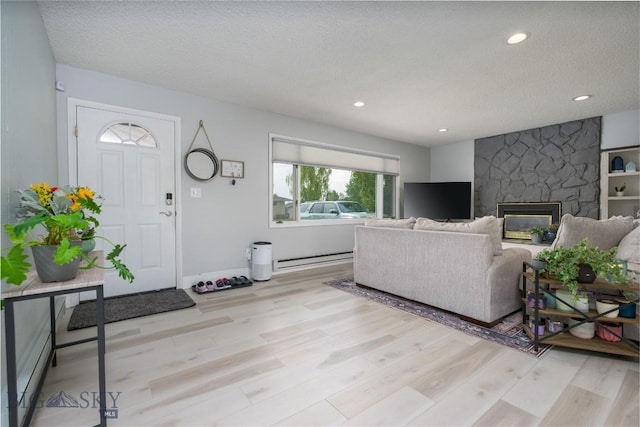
[
  {"x": 210, "y": 286},
  {"x": 200, "y": 287},
  {"x": 223, "y": 283},
  {"x": 240, "y": 281}
]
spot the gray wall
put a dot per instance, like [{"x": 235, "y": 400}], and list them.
[
  {"x": 452, "y": 162},
  {"x": 218, "y": 227},
  {"x": 556, "y": 163},
  {"x": 619, "y": 129},
  {"x": 28, "y": 153}
]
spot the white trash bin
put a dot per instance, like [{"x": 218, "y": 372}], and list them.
[{"x": 261, "y": 261}]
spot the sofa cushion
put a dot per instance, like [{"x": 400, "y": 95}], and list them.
[
  {"x": 390, "y": 223},
  {"x": 629, "y": 249},
  {"x": 603, "y": 234},
  {"x": 486, "y": 225}
]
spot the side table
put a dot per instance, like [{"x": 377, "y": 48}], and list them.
[
  {"x": 86, "y": 280},
  {"x": 623, "y": 347}
]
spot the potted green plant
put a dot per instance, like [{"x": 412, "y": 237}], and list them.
[
  {"x": 551, "y": 232},
  {"x": 536, "y": 234},
  {"x": 620, "y": 190},
  {"x": 65, "y": 214},
  {"x": 568, "y": 264}
]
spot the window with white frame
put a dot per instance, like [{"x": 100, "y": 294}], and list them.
[
  {"x": 314, "y": 183},
  {"x": 128, "y": 134}
]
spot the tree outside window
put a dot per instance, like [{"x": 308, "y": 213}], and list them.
[{"x": 327, "y": 184}]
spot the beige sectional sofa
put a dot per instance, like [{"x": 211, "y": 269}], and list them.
[
  {"x": 622, "y": 232},
  {"x": 459, "y": 271}
]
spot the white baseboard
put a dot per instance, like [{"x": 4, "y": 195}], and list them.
[
  {"x": 295, "y": 264},
  {"x": 312, "y": 266}
]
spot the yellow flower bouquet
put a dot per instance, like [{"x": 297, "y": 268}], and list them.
[{"x": 66, "y": 214}]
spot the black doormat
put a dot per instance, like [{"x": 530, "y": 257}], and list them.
[{"x": 130, "y": 306}]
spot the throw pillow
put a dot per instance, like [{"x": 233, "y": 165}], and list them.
[
  {"x": 497, "y": 224},
  {"x": 390, "y": 223},
  {"x": 603, "y": 234},
  {"x": 486, "y": 225},
  {"x": 429, "y": 224},
  {"x": 496, "y": 237},
  {"x": 629, "y": 249}
]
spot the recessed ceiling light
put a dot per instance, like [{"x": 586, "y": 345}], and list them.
[
  {"x": 517, "y": 38},
  {"x": 358, "y": 104},
  {"x": 443, "y": 130},
  {"x": 581, "y": 97}
]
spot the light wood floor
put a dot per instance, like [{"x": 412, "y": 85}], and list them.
[{"x": 294, "y": 352}]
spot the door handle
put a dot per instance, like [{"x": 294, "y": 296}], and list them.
[{"x": 167, "y": 213}]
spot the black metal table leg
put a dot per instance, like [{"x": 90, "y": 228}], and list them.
[
  {"x": 101, "y": 351},
  {"x": 536, "y": 289},
  {"x": 52, "y": 316},
  {"x": 12, "y": 379},
  {"x": 523, "y": 294}
]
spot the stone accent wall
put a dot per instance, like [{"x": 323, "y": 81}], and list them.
[{"x": 558, "y": 163}]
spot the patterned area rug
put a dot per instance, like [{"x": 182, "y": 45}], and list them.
[{"x": 508, "y": 332}]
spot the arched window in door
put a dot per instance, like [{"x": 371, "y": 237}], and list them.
[{"x": 128, "y": 134}]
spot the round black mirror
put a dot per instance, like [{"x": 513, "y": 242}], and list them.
[{"x": 201, "y": 164}]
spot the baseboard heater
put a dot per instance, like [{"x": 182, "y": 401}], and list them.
[{"x": 280, "y": 265}]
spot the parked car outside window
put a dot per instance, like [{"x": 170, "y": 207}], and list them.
[
  {"x": 304, "y": 207},
  {"x": 343, "y": 209}
]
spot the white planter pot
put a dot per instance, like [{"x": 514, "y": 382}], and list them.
[
  {"x": 606, "y": 305},
  {"x": 582, "y": 304},
  {"x": 585, "y": 331}
]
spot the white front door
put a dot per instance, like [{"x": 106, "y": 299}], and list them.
[{"x": 128, "y": 159}]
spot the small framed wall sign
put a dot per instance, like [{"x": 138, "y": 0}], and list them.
[{"x": 232, "y": 169}]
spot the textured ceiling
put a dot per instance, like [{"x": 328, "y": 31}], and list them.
[{"x": 419, "y": 66}]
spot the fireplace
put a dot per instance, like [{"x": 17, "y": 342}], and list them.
[{"x": 519, "y": 218}]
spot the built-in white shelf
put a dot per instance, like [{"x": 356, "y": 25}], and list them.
[{"x": 610, "y": 204}]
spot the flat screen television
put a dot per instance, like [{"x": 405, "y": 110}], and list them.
[{"x": 437, "y": 200}]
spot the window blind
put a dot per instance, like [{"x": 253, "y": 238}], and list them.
[{"x": 285, "y": 150}]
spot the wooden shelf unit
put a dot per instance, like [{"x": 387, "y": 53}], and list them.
[
  {"x": 610, "y": 203},
  {"x": 564, "y": 338},
  {"x": 548, "y": 312}
]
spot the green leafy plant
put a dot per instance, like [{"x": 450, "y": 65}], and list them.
[
  {"x": 564, "y": 263},
  {"x": 553, "y": 228},
  {"x": 536, "y": 231},
  {"x": 66, "y": 214},
  {"x": 621, "y": 189}
]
